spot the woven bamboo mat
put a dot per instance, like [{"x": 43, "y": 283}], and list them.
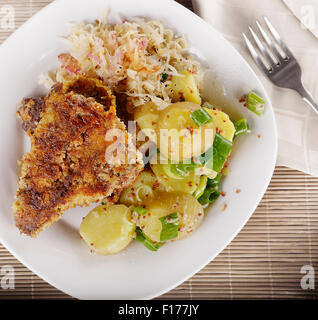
[{"x": 263, "y": 261}]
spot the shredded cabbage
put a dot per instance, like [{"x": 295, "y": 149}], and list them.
[{"x": 130, "y": 58}]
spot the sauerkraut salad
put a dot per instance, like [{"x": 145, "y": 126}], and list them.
[
  {"x": 136, "y": 57},
  {"x": 150, "y": 65}
]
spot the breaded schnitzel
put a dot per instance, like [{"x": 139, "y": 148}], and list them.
[{"x": 66, "y": 166}]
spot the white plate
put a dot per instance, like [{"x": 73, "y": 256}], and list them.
[{"x": 58, "y": 255}]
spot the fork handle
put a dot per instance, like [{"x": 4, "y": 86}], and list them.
[{"x": 305, "y": 94}]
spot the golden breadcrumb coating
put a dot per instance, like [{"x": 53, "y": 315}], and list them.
[{"x": 66, "y": 166}]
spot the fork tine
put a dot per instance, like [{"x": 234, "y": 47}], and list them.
[
  {"x": 277, "y": 37},
  {"x": 254, "y": 54},
  {"x": 269, "y": 42},
  {"x": 262, "y": 49}
]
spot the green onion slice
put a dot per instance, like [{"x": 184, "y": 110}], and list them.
[
  {"x": 255, "y": 103},
  {"x": 206, "y": 157},
  {"x": 141, "y": 210},
  {"x": 214, "y": 182},
  {"x": 209, "y": 196},
  {"x": 200, "y": 117},
  {"x": 170, "y": 226},
  {"x": 241, "y": 127},
  {"x": 215, "y": 157},
  {"x": 218, "y": 162},
  {"x": 222, "y": 146},
  {"x": 172, "y": 171},
  {"x": 201, "y": 187},
  {"x": 182, "y": 169},
  {"x": 142, "y": 238},
  {"x": 221, "y": 150},
  {"x": 209, "y": 164},
  {"x": 179, "y": 170}
]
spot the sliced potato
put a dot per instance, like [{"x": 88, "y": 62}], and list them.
[
  {"x": 147, "y": 117},
  {"x": 179, "y": 138},
  {"x": 188, "y": 184},
  {"x": 108, "y": 230},
  {"x": 185, "y": 87},
  {"x": 144, "y": 187},
  {"x": 224, "y": 126},
  {"x": 189, "y": 210}
]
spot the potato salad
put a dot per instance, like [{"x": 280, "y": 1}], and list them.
[{"x": 167, "y": 201}]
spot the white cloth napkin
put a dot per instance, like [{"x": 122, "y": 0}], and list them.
[{"x": 297, "y": 123}]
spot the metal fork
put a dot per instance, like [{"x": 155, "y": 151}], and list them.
[{"x": 282, "y": 70}]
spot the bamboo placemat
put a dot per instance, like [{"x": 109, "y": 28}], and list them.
[{"x": 263, "y": 261}]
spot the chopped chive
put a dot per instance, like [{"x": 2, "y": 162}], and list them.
[
  {"x": 142, "y": 238},
  {"x": 201, "y": 187},
  {"x": 141, "y": 210},
  {"x": 241, "y": 127},
  {"x": 255, "y": 103},
  {"x": 170, "y": 226},
  {"x": 200, "y": 117}
]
